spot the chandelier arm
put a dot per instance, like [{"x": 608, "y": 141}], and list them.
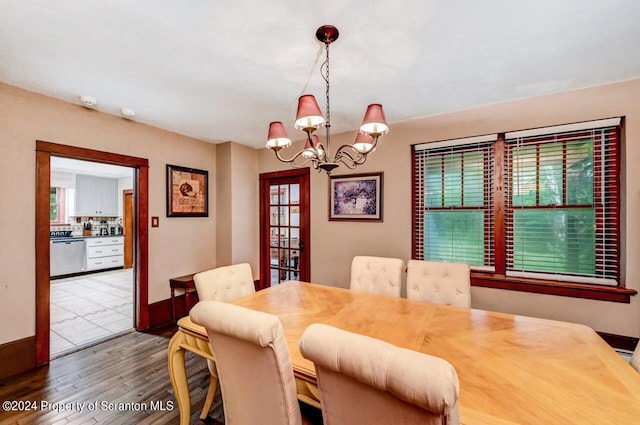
[
  {"x": 352, "y": 155},
  {"x": 295, "y": 158}
]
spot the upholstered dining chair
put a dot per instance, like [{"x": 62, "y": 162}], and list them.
[
  {"x": 377, "y": 275},
  {"x": 439, "y": 282},
  {"x": 363, "y": 380},
  {"x": 224, "y": 284},
  {"x": 254, "y": 368},
  {"x": 635, "y": 358}
]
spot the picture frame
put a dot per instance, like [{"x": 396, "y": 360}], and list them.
[
  {"x": 356, "y": 197},
  {"x": 187, "y": 192}
]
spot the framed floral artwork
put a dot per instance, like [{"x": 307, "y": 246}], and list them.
[{"x": 356, "y": 197}]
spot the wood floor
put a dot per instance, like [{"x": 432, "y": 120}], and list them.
[{"x": 129, "y": 369}]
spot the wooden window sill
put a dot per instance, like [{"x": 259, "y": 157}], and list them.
[{"x": 552, "y": 287}]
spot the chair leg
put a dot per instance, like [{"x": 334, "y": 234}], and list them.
[{"x": 213, "y": 383}]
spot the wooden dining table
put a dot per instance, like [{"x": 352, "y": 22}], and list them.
[{"x": 512, "y": 369}]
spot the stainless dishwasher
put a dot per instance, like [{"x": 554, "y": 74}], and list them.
[{"x": 67, "y": 256}]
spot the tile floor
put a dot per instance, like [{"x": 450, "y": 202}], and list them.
[{"x": 90, "y": 308}]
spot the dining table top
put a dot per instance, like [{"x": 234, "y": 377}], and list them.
[{"x": 512, "y": 369}]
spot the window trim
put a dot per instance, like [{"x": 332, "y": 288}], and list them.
[
  {"x": 61, "y": 204},
  {"x": 499, "y": 279}
]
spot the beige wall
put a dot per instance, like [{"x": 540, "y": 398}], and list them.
[
  {"x": 333, "y": 244},
  {"x": 177, "y": 247},
  {"x": 182, "y": 245},
  {"x": 237, "y": 210},
  {"x": 224, "y": 211}
]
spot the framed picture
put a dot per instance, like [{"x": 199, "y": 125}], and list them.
[
  {"x": 187, "y": 192},
  {"x": 356, "y": 197}
]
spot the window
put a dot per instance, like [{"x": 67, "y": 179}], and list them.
[
  {"x": 454, "y": 191},
  {"x": 57, "y": 205},
  {"x": 523, "y": 208},
  {"x": 562, "y": 206}
]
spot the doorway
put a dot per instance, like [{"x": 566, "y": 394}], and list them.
[
  {"x": 285, "y": 227},
  {"x": 92, "y": 301},
  {"x": 140, "y": 166}
]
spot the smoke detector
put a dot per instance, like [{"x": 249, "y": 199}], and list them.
[
  {"x": 128, "y": 113},
  {"x": 88, "y": 101}
]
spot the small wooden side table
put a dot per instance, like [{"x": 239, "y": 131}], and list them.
[{"x": 185, "y": 283}]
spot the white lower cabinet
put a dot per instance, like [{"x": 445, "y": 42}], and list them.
[{"x": 105, "y": 253}]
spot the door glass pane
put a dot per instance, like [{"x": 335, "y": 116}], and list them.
[
  {"x": 295, "y": 216},
  {"x": 275, "y": 277},
  {"x": 295, "y": 238},
  {"x": 273, "y": 195},
  {"x": 284, "y": 216},
  {"x": 295, "y": 193},
  {"x": 273, "y": 260},
  {"x": 284, "y": 194},
  {"x": 273, "y": 235},
  {"x": 284, "y": 237},
  {"x": 273, "y": 219}
]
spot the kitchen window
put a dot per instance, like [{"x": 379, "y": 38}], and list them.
[
  {"x": 57, "y": 209},
  {"x": 535, "y": 210}
]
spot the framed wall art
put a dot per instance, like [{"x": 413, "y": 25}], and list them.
[
  {"x": 356, "y": 197},
  {"x": 187, "y": 192}
]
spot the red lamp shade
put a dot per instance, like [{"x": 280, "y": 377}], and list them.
[
  {"x": 363, "y": 142},
  {"x": 277, "y": 137},
  {"x": 309, "y": 114},
  {"x": 374, "y": 121}
]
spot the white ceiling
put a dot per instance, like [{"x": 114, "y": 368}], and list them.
[
  {"x": 222, "y": 70},
  {"x": 76, "y": 166}
]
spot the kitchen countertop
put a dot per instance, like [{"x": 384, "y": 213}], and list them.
[{"x": 61, "y": 238}]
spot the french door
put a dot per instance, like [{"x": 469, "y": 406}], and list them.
[{"x": 284, "y": 227}]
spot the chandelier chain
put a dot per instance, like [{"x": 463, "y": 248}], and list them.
[{"x": 328, "y": 103}]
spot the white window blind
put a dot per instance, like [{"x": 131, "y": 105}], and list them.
[
  {"x": 562, "y": 206},
  {"x": 453, "y": 211}
]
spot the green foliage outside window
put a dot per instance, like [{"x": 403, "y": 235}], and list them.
[{"x": 554, "y": 239}]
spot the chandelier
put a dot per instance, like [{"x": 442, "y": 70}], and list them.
[{"x": 309, "y": 118}]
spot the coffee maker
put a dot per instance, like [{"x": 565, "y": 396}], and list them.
[{"x": 104, "y": 230}]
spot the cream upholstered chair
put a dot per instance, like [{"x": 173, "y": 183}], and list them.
[
  {"x": 635, "y": 358},
  {"x": 363, "y": 380},
  {"x": 224, "y": 284},
  {"x": 439, "y": 282},
  {"x": 252, "y": 358},
  {"x": 377, "y": 275}
]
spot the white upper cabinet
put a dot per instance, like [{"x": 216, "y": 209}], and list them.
[{"x": 96, "y": 196}]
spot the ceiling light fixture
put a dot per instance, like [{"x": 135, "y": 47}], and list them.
[{"x": 309, "y": 118}]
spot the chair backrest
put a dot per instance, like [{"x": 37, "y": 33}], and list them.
[
  {"x": 439, "y": 282},
  {"x": 254, "y": 368},
  {"x": 635, "y": 358},
  {"x": 226, "y": 283},
  {"x": 377, "y": 275},
  {"x": 363, "y": 380}
]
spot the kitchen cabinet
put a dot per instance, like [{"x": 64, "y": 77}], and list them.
[
  {"x": 96, "y": 196},
  {"x": 105, "y": 253}
]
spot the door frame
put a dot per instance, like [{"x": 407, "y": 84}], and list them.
[
  {"x": 44, "y": 151},
  {"x": 305, "y": 221},
  {"x": 128, "y": 228}
]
